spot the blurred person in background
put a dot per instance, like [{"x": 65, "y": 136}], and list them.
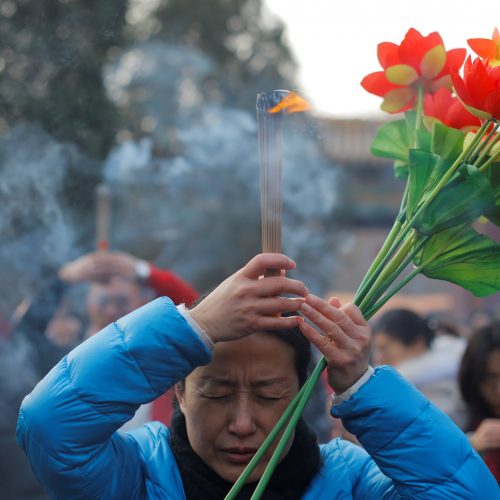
[
  {"x": 49, "y": 324},
  {"x": 428, "y": 356},
  {"x": 480, "y": 386},
  {"x": 119, "y": 284}
]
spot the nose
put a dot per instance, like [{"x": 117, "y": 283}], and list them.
[{"x": 242, "y": 420}]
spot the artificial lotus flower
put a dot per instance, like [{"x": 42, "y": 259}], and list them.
[
  {"x": 487, "y": 49},
  {"x": 447, "y": 109},
  {"x": 479, "y": 89},
  {"x": 418, "y": 62}
]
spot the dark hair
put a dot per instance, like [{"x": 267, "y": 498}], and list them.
[
  {"x": 406, "y": 326},
  {"x": 473, "y": 369},
  {"x": 300, "y": 345}
]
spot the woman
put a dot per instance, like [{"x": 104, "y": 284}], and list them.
[
  {"x": 235, "y": 381},
  {"x": 480, "y": 386},
  {"x": 426, "y": 355}
]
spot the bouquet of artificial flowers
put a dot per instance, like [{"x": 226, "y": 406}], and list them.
[{"x": 447, "y": 147}]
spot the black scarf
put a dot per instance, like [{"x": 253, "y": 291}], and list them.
[{"x": 289, "y": 481}]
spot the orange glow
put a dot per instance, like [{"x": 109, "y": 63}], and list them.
[{"x": 291, "y": 103}]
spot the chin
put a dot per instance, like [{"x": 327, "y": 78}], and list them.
[{"x": 232, "y": 473}]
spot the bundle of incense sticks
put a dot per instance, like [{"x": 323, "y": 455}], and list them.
[
  {"x": 271, "y": 106},
  {"x": 103, "y": 216},
  {"x": 270, "y": 153}
]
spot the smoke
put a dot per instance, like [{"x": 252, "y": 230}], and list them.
[
  {"x": 199, "y": 211},
  {"x": 36, "y": 234}
]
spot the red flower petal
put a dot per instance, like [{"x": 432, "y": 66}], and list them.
[
  {"x": 415, "y": 46},
  {"x": 483, "y": 47},
  {"x": 479, "y": 83},
  {"x": 377, "y": 83},
  {"x": 388, "y": 54},
  {"x": 492, "y": 104},
  {"x": 458, "y": 117},
  {"x": 437, "y": 105},
  {"x": 462, "y": 90}
]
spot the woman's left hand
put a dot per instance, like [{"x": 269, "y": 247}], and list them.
[{"x": 344, "y": 339}]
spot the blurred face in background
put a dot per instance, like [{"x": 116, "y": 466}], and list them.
[
  {"x": 490, "y": 386},
  {"x": 390, "y": 351},
  {"x": 107, "y": 302}
]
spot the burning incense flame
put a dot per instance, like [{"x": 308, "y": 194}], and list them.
[{"x": 291, "y": 103}]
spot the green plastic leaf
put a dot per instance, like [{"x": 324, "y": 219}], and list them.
[
  {"x": 401, "y": 169},
  {"x": 465, "y": 257},
  {"x": 393, "y": 139},
  {"x": 493, "y": 174},
  {"x": 425, "y": 171},
  {"x": 462, "y": 200},
  {"x": 424, "y": 139},
  {"x": 447, "y": 142}
]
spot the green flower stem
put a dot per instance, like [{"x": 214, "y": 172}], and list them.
[
  {"x": 489, "y": 145},
  {"x": 489, "y": 162},
  {"x": 265, "y": 445},
  {"x": 363, "y": 287},
  {"x": 285, "y": 438},
  {"x": 374, "y": 309},
  {"x": 382, "y": 288},
  {"x": 387, "y": 271},
  {"x": 416, "y": 271},
  {"x": 365, "y": 283},
  {"x": 476, "y": 146}
]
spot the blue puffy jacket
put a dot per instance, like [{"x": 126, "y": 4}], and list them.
[{"x": 68, "y": 425}]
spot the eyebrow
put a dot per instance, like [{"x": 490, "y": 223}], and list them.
[{"x": 257, "y": 384}]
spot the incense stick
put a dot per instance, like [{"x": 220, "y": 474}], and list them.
[
  {"x": 103, "y": 215},
  {"x": 270, "y": 154}
]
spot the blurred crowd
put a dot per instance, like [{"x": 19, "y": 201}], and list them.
[{"x": 457, "y": 368}]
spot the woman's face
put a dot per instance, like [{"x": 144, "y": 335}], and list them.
[
  {"x": 232, "y": 404},
  {"x": 490, "y": 387}
]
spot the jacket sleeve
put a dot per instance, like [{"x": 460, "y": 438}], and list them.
[
  {"x": 68, "y": 424},
  {"x": 167, "y": 283},
  {"x": 412, "y": 443}
]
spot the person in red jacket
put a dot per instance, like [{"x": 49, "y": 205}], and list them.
[{"x": 120, "y": 283}]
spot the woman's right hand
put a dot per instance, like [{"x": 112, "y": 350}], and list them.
[
  {"x": 246, "y": 303},
  {"x": 487, "y": 435}
]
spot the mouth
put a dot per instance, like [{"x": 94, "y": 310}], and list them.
[{"x": 239, "y": 455}]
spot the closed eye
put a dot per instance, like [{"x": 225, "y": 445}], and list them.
[
  {"x": 216, "y": 397},
  {"x": 269, "y": 398}
]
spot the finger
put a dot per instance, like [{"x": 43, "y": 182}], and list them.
[
  {"x": 260, "y": 263},
  {"x": 354, "y": 312},
  {"x": 277, "y": 286},
  {"x": 280, "y": 323},
  {"x": 277, "y": 305},
  {"x": 343, "y": 321},
  {"x": 327, "y": 327},
  {"x": 321, "y": 342},
  {"x": 335, "y": 302}
]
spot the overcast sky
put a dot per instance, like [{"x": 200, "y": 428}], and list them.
[{"x": 335, "y": 42}]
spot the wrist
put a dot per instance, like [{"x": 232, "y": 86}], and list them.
[
  {"x": 142, "y": 270},
  {"x": 342, "y": 385},
  {"x": 200, "y": 318},
  {"x": 346, "y": 390}
]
